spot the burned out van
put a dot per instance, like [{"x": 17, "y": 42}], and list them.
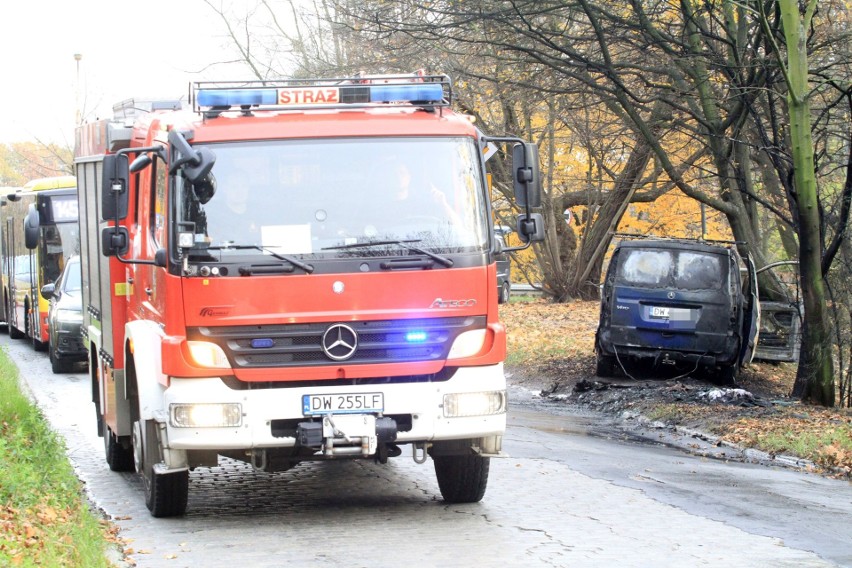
[{"x": 679, "y": 305}]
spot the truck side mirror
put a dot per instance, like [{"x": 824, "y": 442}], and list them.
[
  {"x": 141, "y": 162},
  {"x": 196, "y": 163},
  {"x": 115, "y": 241},
  {"x": 160, "y": 257},
  {"x": 114, "y": 194},
  {"x": 525, "y": 175},
  {"x": 31, "y": 226},
  {"x": 531, "y": 228}
]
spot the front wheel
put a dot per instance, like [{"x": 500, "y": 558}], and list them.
[
  {"x": 14, "y": 332},
  {"x": 165, "y": 493},
  {"x": 33, "y": 332},
  {"x": 38, "y": 344},
  {"x": 57, "y": 365},
  {"x": 462, "y": 479}
]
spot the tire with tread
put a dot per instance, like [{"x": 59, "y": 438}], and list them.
[
  {"x": 57, "y": 365},
  {"x": 118, "y": 457},
  {"x": 39, "y": 345},
  {"x": 462, "y": 479},
  {"x": 165, "y": 493},
  {"x": 33, "y": 334},
  {"x": 14, "y": 332}
]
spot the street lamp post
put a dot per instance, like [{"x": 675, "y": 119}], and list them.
[{"x": 77, "y": 112}]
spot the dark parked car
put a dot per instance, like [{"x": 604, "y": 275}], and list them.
[
  {"x": 65, "y": 318},
  {"x": 676, "y": 304}
]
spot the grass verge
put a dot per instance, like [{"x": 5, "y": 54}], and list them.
[
  {"x": 44, "y": 519},
  {"x": 822, "y": 436},
  {"x": 556, "y": 342}
]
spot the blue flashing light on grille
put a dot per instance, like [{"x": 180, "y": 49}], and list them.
[
  {"x": 264, "y": 343},
  {"x": 416, "y": 336},
  {"x": 237, "y": 97}
]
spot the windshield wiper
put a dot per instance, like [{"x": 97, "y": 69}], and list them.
[
  {"x": 366, "y": 244},
  {"x": 448, "y": 262},
  {"x": 295, "y": 262}
]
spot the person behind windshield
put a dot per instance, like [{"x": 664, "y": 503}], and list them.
[
  {"x": 234, "y": 219},
  {"x": 421, "y": 197}
]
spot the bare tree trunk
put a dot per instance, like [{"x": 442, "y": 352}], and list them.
[
  {"x": 815, "y": 375},
  {"x": 590, "y": 257}
]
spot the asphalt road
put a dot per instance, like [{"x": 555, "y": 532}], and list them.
[{"x": 573, "y": 491}]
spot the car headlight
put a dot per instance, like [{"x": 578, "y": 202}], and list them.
[{"x": 69, "y": 316}]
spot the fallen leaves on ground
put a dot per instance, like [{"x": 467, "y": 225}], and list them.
[
  {"x": 561, "y": 330},
  {"x": 829, "y": 431},
  {"x": 552, "y": 346},
  {"x": 23, "y": 530}
]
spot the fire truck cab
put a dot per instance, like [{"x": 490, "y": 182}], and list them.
[{"x": 297, "y": 270}]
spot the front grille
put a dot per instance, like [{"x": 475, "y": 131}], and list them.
[{"x": 300, "y": 345}]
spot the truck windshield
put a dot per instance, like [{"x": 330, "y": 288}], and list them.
[
  {"x": 684, "y": 270},
  {"x": 313, "y": 199}
]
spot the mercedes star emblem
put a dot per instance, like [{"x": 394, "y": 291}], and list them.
[{"x": 339, "y": 342}]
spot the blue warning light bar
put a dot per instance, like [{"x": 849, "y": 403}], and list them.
[
  {"x": 428, "y": 92},
  {"x": 416, "y": 90},
  {"x": 236, "y": 97}
]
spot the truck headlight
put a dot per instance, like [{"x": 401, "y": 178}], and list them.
[
  {"x": 458, "y": 405},
  {"x": 206, "y": 415},
  {"x": 206, "y": 354},
  {"x": 467, "y": 344}
]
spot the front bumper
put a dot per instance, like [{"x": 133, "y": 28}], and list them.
[
  {"x": 269, "y": 415},
  {"x": 69, "y": 344}
]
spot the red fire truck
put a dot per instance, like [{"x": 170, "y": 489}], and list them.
[{"x": 293, "y": 271}]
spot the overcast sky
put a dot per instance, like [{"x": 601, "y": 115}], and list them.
[{"x": 149, "y": 49}]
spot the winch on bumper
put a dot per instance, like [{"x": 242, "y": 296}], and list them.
[{"x": 347, "y": 435}]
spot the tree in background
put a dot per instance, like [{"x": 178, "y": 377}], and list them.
[
  {"x": 641, "y": 97},
  {"x": 815, "y": 377},
  {"x": 696, "y": 83},
  {"x": 21, "y": 162}
]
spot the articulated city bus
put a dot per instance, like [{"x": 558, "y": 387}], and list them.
[
  {"x": 4, "y": 191},
  {"x": 40, "y": 230}
]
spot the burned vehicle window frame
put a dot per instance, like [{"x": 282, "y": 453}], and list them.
[{"x": 675, "y": 275}]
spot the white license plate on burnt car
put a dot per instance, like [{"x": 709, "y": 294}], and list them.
[
  {"x": 343, "y": 403},
  {"x": 659, "y": 312}
]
